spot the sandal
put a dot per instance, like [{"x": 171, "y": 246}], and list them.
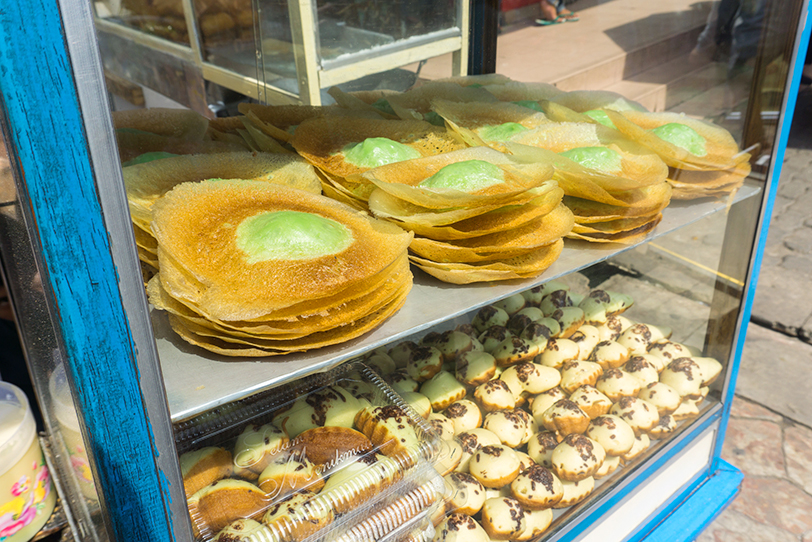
[
  {"x": 569, "y": 17},
  {"x": 546, "y": 22}
]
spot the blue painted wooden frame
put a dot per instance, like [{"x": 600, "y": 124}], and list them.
[{"x": 49, "y": 149}]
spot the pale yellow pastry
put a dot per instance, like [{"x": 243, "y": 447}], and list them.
[
  {"x": 494, "y": 395},
  {"x": 493, "y": 337},
  {"x": 525, "y": 461},
  {"x": 464, "y": 414},
  {"x": 359, "y": 389},
  {"x": 297, "y": 516},
  {"x": 467, "y": 495},
  {"x": 350, "y": 484},
  {"x": 450, "y": 458},
  {"x": 540, "y": 333},
  {"x": 565, "y": 417},
  {"x": 510, "y": 427},
  {"x": 460, "y": 528},
  {"x": 533, "y": 312},
  {"x": 475, "y": 367},
  {"x": 488, "y": 316},
  {"x": 710, "y": 369},
  {"x": 324, "y": 446},
  {"x": 442, "y": 389},
  {"x": 494, "y": 465},
  {"x": 570, "y": 319},
  {"x": 538, "y": 521},
  {"x": 609, "y": 354},
  {"x": 452, "y": 343},
  {"x": 577, "y": 457},
  {"x": 685, "y": 376},
  {"x": 246, "y": 530},
  {"x": 381, "y": 363},
  {"x": 662, "y": 396},
  {"x": 537, "y": 488},
  {"x": 540, "y": 448},
  {"x": 333, "y": 406},
  {"x": 421, "y": 404},
  {"x": 511, "y": 304},
  {"x": 577, "y": 373},
  {"x": 610, "y": 465},
  {"x": 668, "y": 351},
  {"x": 637, "y": 338},
  {"x": 543, "y": 401},
  {"x": 503, "y": 518},
  {"x": 556, "y": 300},
  {"x": 518, "y": 323},
  {"x": 641, "y": 444},
  {"x": 594, "y": 307},
  {"x": 587, "y": 338},
  {"x": 424, "y": 362},
  {"x": 664, "y": 428},
  {"x": 558, "y": 352},
  {"x": 400, "y": 353},
  {"x": 591, "y": 401},
  {"x": 221, "y": 502},
  {"x": 640, "y": 415},
  {"x": 642, "y": 370},
  {"x": 402, "y": 382},
  {"x": 575, "y": 492},
  {"x": 498, "y": 493},
  {"x": 687, "y": 410},
  {"x": 530, "y": 422},
  {"x": 514, "y": 350},
  {"x": 441, "y": 425},
  {"x": 202, "y": 467},
  {"x": 391, "y": 430},
  {"x": 256, "y": 446},
  {"x": 617, "y": 383},
  {"x": 289, "y": 473},
  {"x": 611, "y": 432}
]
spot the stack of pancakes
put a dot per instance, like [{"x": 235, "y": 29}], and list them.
[{"x": 251, "y": 268}]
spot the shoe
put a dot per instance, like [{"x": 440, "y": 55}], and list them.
[{"x": 545, "y": 22}]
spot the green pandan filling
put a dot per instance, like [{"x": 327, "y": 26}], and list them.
[
  {"x": 383, "y": 105},
  {"x": 599, "y": 158},
  {"x": 148, "y": 157},
  {"x": 530, "y": 104},
  {"x": 600, "y": 116},
  {"x": 291, "y": 235},
  {"x": 502, "y": 132},
  {"x": 468, "y": 176},
  {"x": 682, "y": 136},
  {"x": 378, "y": 151}
]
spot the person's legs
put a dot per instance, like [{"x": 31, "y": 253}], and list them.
[{"x": 548, "y": 11}]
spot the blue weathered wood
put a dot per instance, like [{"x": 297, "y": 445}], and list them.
[{"x": 48, "y": 143}]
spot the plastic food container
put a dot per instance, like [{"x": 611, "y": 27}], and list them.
[
  {"x": 26, "y": 495},
  {"x": 335, "y": 456}
]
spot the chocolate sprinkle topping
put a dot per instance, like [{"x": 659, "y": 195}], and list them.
[{"x": 600, "y": 295}]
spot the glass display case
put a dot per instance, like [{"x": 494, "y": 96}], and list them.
[{"x": 615, "y": 282}]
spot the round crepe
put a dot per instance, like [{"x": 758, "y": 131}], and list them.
[
  {"x": 699, "y": 184},
  {"x": 182, "y": 124},
  {"x": 627, "y": 237},
  {"x": 641, "y": 202},
  {"x": 145, "y": 183},
  {"x": 401, "y": 179},
  {"x": 469, "y": 119},
  {"x": 722, "y": 150},
  {"x": 416, "y": 103},
  {"x": 132, "y": 144},
  {"x": 587, "y": 100},
  {"x": 196, "y": 223}
]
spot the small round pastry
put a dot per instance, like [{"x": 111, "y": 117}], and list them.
[
  {"x": 667, "y": 352},
  {"x": 430, "y": 338},
  {"x": 538, "y": 521},
  {"x": 587, "y": 338},
  {"x": 246, "y": 530},
  {"x": 468, "y": 329},
  {"x": 221, "y": 502},
  {"x": 525, "y": 461},
  {"x": 493, "y": 337},
  {"x": 475, "y": 367},
  {"x": 401, "y": 381},
  {"x": 610, "y": 465},
  {"x": 514, "y": 350},
  {"x": 204, "y": 466},
  {"x": 297, "y": 516},
  {"x": 495, "y": 395},
  {"x": 352, "y": 482},
  {"x": 612, "y": 328},
  {"x": 400, "y": 353},
  {"x": 710, "y": 369},
  {"x": 577, "y": 457},
  {"x": 503, "y": 518},
  {"x": 358, "y": 388},
  {"x": 565, "y": 417},
  {"x": 609, "y": 354},
  {"x": 419, "y": 402},
  {"x": 460, "y": 528},
  {"x": 529, "y": 421},
  {"x": 533, "y": 377},
  {"x": 391, "y": 429},
  {"x": 510, "y": 427},
  {"x": 664, "y": 428},
  {"x": 640, "y": 415},
  {"x": 488, "y": 316},
  {"x": 533, "y": 296},
  {"x": 452, "y": 343},
  {"x": 538, "y": 334},
  {"x": 540, "y": 448},
  {"x": 577, "y": 373},
  {"x": 570, "y": 319},
  {"x": 662, "y": 396},
  {"x": 256, "y": 447},
  {"x": 498, "y": 493},
  {"x": 323, "y": 446},
  {"x": 441, "y": 425},
  {"x": 289, "y": 473},
  {"x": 618, "y": 303},
  {"x": 591, "y": 401},
  {"x": 425, "y": 362},
  {"x": 467, "y": 494},
  {"x": 494, "y": 466},
  {"x": 537, "y": 488},
  {"x": 442, "y": 389},
  {"x": 518, "y": 323},
  {"x": 471, "y": 442},
  {"x": 558, "y": 352},
  {"x": 511, "y": 304},
  {"x": 381, "y": 364},
  {"x": 685, "y": 376},
  {"x": 660, "y": 333},
  {"x": 464, "y": 414},
  {"x": 543, "y": 401},
  {"x": 687, "y": 410},
  {"x": 642, "y": 370},
  {"x": 575, "y": 492},
  {"x": 637, "y": 338},
  {"x": 450, "y": 458},
  {"x": 617, "y": 383},
  {"x": 556, "y": 300},
  {"x": 641, "y": 444},
  {"x": 594, "y": 307},
  {"x": 611, "y": 432},
  {"x": 534, "y": 313}
]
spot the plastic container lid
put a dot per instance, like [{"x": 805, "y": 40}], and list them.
[
  {"x": 63, "y": 401},
  {"x": 17, "y": 426}
]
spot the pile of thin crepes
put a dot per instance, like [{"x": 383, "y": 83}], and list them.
[{"x": 288, "y": 228}]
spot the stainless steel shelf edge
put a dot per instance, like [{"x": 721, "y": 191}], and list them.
[{"x": 197, "y": 380}]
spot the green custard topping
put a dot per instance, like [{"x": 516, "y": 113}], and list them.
[
  {"x": 291, "y": 235},
  {"x": 599, "y": 158},
  {"x": 433, "y": 118},
  {"x": 600, "y": 116},
  {"x": 682, "y": 136},
  {"x": 378, "y": 151},
  {"x": 382, "y": 104},
  {"x": 148, "y": 157},
  {"x": 530, "y": 104},
  {"x": 502, "y": 132},
  {"x": 468, "y": 176}
]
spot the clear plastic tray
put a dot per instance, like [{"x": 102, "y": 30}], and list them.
[{"x": 334, "y": 456}]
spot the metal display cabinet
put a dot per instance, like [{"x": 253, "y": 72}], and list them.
[
  {"x": 276, "y": 51},
  {"x": 70, "y": 261}
]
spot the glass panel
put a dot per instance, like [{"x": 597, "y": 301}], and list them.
[
  {"x": 162, "y": 18},
  {"x": 227, "y": 32}
]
